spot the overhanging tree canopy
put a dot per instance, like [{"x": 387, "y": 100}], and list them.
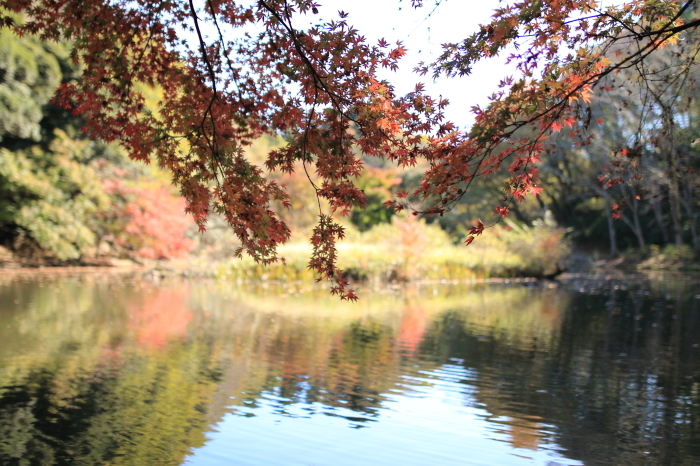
[{"x": 318, "y": 87}]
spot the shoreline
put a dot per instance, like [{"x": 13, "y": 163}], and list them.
[{"x": 576, "y": 265}]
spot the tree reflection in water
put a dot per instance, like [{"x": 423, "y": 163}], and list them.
[{"x": 98, "y": 369}]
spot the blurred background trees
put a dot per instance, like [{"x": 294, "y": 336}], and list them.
[
  {"x": 63, "y": 196},
  {"x": 67, "y": 198}
]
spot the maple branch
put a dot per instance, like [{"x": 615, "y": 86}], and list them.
[
  {"x": 559, "y": 107},
  {"x": 437, "y": 4},
  {"x": 665, "y": 28},
  {"x": 303, "y": 160},
  {"x": 680, "y": 12},
  {"x": 151, "y": 16},
  {"x": 634, "y": 58},
  {"x": 224, "y": 52},
  {"x": 298, "y": 46},
  {"x": 203, "y": 48},
  {"x": 212, "y": 142},
  {"x": 622, "y": 23},
  {"x": 320, "y": 84},
  {"x": 674, "y": 30},
  {"x": 575, "y": 20}
]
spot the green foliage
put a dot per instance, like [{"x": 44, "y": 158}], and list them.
[
  {"x": 53, "y": 180},
  {"x": 373, "y": 214},
  {"x": 30, "y": 71},
  {"x": 47, "y": 191},
  {"x": 377, "y": 185},
  {"x": 52, "y": 196}
]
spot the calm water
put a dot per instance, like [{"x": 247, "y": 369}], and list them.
[{"x": 100, "y": 369}]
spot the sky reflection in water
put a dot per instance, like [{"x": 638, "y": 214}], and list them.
[
  {"x": 418, "y": 425},
  {"x": 104, "y": 369}
]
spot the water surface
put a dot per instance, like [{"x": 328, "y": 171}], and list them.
[{"x": 101, "y": 368}]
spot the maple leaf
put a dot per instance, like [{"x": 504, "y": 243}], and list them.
[
  {"x": 477, "y": 229},
  {"x": 555, "y": 127},
  {"x": 501, "y": 211}
]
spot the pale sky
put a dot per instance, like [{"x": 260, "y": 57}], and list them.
[{"x": 423, "y": 35}]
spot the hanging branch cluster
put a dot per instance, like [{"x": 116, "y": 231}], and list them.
[
  {"x": 224, "y": 86},
  {"x": 569, "y": 48}
]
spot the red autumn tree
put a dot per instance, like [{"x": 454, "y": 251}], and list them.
[
  {"x": 319, "y": 88},
  {"x": 148, "y": 220}
]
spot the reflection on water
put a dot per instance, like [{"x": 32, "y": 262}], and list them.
[{"x": 100, "y": 368}]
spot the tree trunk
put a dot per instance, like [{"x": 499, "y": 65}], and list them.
[
  {"x": 611, "y": 228},
  {"x": 687, "y": 201},
  {"x": 674, "y": 200},
  {"x": 635, "y": 216},
  {"x": 658, "y": 212},
  {"x": 630, "y": 196},
  {"x": 673, "y": 173}
]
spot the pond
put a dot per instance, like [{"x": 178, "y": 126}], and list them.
[{"x": 101, "y": 368}]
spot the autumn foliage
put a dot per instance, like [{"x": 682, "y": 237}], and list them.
[
  {"x": 148, "y": 220},
  {"x": 318, "y": 87}
]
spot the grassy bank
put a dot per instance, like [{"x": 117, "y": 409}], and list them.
[
  {"x": 408, "y": 250},
  {"x": 668, "y": 258}
]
